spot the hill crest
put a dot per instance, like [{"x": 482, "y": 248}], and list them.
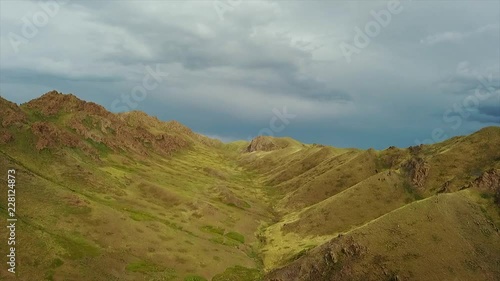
[{"x": 57, "y": 121}]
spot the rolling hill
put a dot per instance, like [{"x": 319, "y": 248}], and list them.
[{"x": 105, "y": 196}]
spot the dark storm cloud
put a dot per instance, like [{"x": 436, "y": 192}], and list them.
[
  {"x": 491, "y": 110},
  {"x": 198, "y": 47}
]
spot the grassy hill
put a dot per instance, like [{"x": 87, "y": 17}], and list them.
[
  {"x": 444, "y": 237},
  {"x": 105, "y": 196}
]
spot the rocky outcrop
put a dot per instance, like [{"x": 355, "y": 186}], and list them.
[
  {"x": 488, "y": 181},
  {"x": 5, "y": 137},
  {"x": 53, "y": 103},
  {"x": 262, "y": 143},
  {"x": 331, "y": 261},
  {"x": 49, "y": 136},
  {"x": 118, "y": 134},
  {"x": 63, "y": 120},
  {"x": 418, "y": 171},
  {"x": 10, "y": 114}
]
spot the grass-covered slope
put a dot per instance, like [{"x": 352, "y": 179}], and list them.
[
  {"x": 129, "y": 197},
  {"x": 445, "y": 237},
  {"x": 125, "y": 196}
]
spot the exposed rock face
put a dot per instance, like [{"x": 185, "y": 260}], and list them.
[
  {"x": 329, "y": 262},
  {"x": 6, "y": 137},
  {"x": 53, "y": 103},
  {"x": 49, "y": 136},
  {"x": 488, "y": 181},
  {"x": 137, "y": 134},
  {"x": 418, "y": 170},
  {"x": 62, "y": 120},
  {"x": 445, "y": 187},
  {"x": 262, "y": 143},
  {"x": 10, "y": 114}
]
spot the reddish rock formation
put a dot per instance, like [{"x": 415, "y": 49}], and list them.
[
  {"x": 49, "y": 136},
  {"x": 10, "y": 114},
  {"x": 66, "y": 121},
  {"x": 262, "y": 143},
  {"x": 488, "y": 181},
  {"x": 53, "y": 103},
  {"x": 328, "y": 262},
  {"x": 5, "y": 137},
  {"x": 418, "y": 170}
]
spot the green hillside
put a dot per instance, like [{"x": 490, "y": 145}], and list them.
[{"x": 103, "y": 196}]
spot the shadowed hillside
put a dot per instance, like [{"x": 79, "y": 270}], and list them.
[
  {"x": 415, "y": 242},
  {"x": 130, "y": 197}
]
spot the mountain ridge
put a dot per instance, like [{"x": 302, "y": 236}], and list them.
[
  {"x": 54, "y": 102},
  {"x": 134, "y": 197}
]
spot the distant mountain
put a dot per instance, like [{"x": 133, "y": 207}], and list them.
[{"x": 104, "y": 196}]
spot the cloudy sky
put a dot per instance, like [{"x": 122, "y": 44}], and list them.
[{"x": 344, "y": 73}]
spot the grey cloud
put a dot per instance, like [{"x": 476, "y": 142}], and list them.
[
  {"x": 234, "y": 69},
  {"x": 467, "y": 83},
  {"x": 23, "y": 75},
  {"x": 196, "y": 52},
  {"x": 485, "y": 119},
  {"x": 491, "y": 110}
]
